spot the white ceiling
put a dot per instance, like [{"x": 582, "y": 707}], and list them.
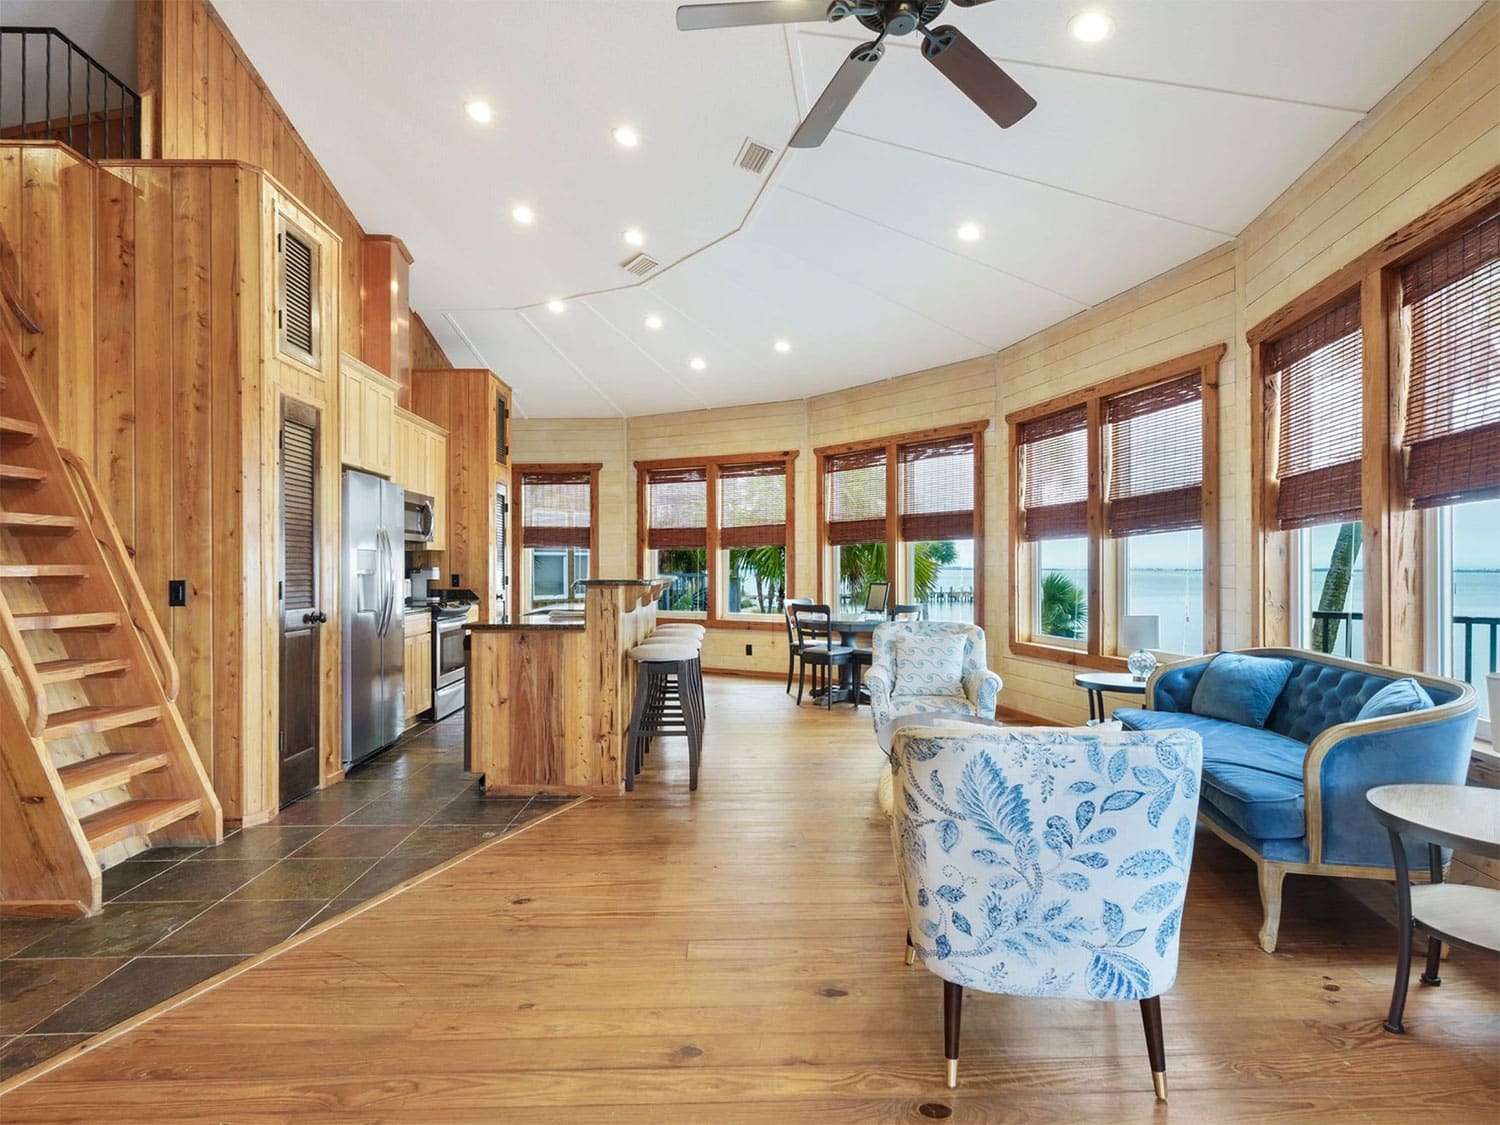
[{"x": 1146, "y": 150}]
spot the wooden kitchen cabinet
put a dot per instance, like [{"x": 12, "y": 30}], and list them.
[
  {"x": 369, "y": 418},
  {"x": 417, "y": 664},
  {"x": 422, "y": 467}
]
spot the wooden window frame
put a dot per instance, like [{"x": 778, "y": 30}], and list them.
[
  {"x": 891, "y": 444},
  {"x": 1393, "y": 546},
  {"x": 1098, "y": 650},
  {"x": 714, "y": 618},
  {"x": 515, "y": 501}
]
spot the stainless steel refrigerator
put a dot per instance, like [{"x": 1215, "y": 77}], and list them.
[{"x": 372, "y": 605}]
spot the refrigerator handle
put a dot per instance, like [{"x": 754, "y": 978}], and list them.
[
  {"x": 395, "y": 582},
  {"x": 382, "y": 549}
]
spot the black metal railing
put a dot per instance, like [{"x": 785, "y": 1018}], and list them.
[
  {"x": 1347, "y": 620},
  {"x": 1463, "y": 654},
  {"x": 1470, "y": 622},
  {"x": 52, "y": 89}
]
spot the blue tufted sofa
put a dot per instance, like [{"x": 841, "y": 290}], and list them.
[{"x": 1291, "y": 796}]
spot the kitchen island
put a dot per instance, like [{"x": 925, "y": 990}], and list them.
[{"x": 548, "y": 704}]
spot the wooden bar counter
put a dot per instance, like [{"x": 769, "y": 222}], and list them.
[{"x": 548, "y": 704}]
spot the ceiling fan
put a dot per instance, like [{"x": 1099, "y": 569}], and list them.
[{"x": 947, "y": 48}]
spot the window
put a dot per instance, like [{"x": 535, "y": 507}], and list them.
[
  {"x": 677, "y": 536},
  {"x": 1153, "y": 451},
  {"x": 1110, "y": 516},
  {"x": 1329, "y": 594},
  {"x": 554, "y": 509},
  {"x": 1450, "y": 300},
  {"x": 718, "y": 527},
  {"x": 753, "y": 536},
  {"x": 912, "y": 498}
]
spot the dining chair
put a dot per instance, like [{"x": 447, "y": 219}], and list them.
[
  {"x": 792, "y": 648},
  {"x": 1047, "y": 863},
  {"x": 815, "y": 647},
  {"x": 908, "y": 613}
]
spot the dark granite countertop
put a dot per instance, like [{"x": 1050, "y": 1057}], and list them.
[{"x": 522, "y": 627}]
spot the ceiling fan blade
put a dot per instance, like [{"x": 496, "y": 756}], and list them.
[
  {"x": 749, "y": 13},
  {"x": 836, "y": 97},
  {"x": 977, "y": 75}
]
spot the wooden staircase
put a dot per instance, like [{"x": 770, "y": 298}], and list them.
[{"x": 95, "y": 760}]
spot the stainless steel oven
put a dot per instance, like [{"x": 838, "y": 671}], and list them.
[{"x": 448, "y": 661}]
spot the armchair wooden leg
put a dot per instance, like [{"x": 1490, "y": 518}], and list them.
[
  {"x": 1156, "y": 1049},
  {"x": 911, "y": 950},
  {"x": 953, "y": 1004},
  {"x": 1271, "y": 875}
]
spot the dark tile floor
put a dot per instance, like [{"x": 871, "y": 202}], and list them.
[{"x": 176, "y": 916}]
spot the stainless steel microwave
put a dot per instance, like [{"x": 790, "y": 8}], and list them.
[{"x": 418, "y": 518}]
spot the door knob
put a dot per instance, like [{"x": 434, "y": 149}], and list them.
[{"x": 314, "y": 618}]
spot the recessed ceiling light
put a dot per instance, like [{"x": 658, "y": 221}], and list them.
[
  {"x": 1091, "y": 27},
  {"x": 653, "y": 322},
  {"x": 555, "y": 305},
  {"x": 969, "y": 232},
  {"x": 523, "y": 214},
  {"x": 634, "y": 237},
  {"x": 479, "y": 111},
  {"x": 697, "y": 363},
  {"x": 782, "y": 345},
  {"x": 626, "y": 136}
]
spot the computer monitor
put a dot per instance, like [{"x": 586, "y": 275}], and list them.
[{"x": 880, "y": 593}]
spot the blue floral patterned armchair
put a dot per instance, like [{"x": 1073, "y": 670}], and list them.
[
  {"x": 929, "y": 666},
  {"x": 1047, "y": 863}
]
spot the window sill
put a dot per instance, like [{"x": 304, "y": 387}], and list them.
[{"x": 1077, "y": 658}]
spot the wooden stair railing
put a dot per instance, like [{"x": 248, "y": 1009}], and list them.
[{"x": 96, "y": 762}]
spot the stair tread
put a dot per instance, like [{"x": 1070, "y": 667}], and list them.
[
  {"x": 56, "y": 671},
  {"x": 27, "y": 621},
  {"x": 94, "y": 719},
  {"x": 38, "y": 521},
  {"x": 18, "y": 426},
  {"x": 133, "y": 818},
  {"x": 44, "y": 570},
  {"x": 22, "y": 473},
  {"x": 94, "y": 775}
]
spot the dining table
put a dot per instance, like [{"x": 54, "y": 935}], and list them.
[{"x": 849, "y": 628}]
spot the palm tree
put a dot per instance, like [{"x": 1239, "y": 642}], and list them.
[
  {"x": 863, "y": 563},
  {"x": 766, "y": 567},
  {"x": 1065, "y": 612},
  {"x": 1325, "y": 630}
]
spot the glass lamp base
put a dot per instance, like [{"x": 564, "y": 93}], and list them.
[{"x": 1141, "y": 664}]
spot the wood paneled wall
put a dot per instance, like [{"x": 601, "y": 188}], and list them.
[
  {"x": 210, "y": 104},
  {"x": 47, "y": 212},
  {"x": 1437, "y": 131},
  {"x": 169, "y": 413},
  {"x": 426, "y": 353}
]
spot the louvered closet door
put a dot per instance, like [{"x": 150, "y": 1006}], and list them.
[
  {"x": 502, "y": 565},
  {"x": 302, "y": 617}
]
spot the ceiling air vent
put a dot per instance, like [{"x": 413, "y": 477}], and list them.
[
  {"x": 640, "y": 264},
  {"x": 753, "y": 157}
]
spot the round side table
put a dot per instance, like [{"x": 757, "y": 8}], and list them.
[
  {"x": 1461, "y": 817},
  {"x": 1097, "y": 683}
]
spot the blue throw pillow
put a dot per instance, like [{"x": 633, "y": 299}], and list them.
[
  {"x": 1396, "y": 698},
  {"x": 1240, "y": 689}
]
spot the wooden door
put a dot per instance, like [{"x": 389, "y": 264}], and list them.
[{"x": 300, "y": 615}]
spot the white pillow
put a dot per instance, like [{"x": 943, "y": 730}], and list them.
[{"x": 930, "y": 663}]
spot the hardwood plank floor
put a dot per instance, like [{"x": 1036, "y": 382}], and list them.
[{"x": 735, "y": 955}]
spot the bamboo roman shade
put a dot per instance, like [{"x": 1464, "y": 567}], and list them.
[
  {"x": 1319, "y": 371},
  {"x": 1155, "y": 447},
  {"x": 937, "y": 489},
  {"x": 1054, "y": 469},
  {"x": 555, "y": 509},
  {"x": 1452, "y": 299},
  {"x": 677, "y": 500},
  {"x": 752, "y": 505},
  {"x": 855, "y": 484}
]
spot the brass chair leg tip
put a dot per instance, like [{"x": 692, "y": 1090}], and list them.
[
  {"x": 911, "y": 955},
  {"x": 1159, "y": 1081},
  {"x": 952, "y": 1074}
]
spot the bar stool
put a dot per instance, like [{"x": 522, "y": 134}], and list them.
[
  {"x": 668, "y": 700},
  {"x": 683, "y": 631}
]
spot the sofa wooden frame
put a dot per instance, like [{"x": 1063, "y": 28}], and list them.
[{"x": 1271, "y": 872}]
